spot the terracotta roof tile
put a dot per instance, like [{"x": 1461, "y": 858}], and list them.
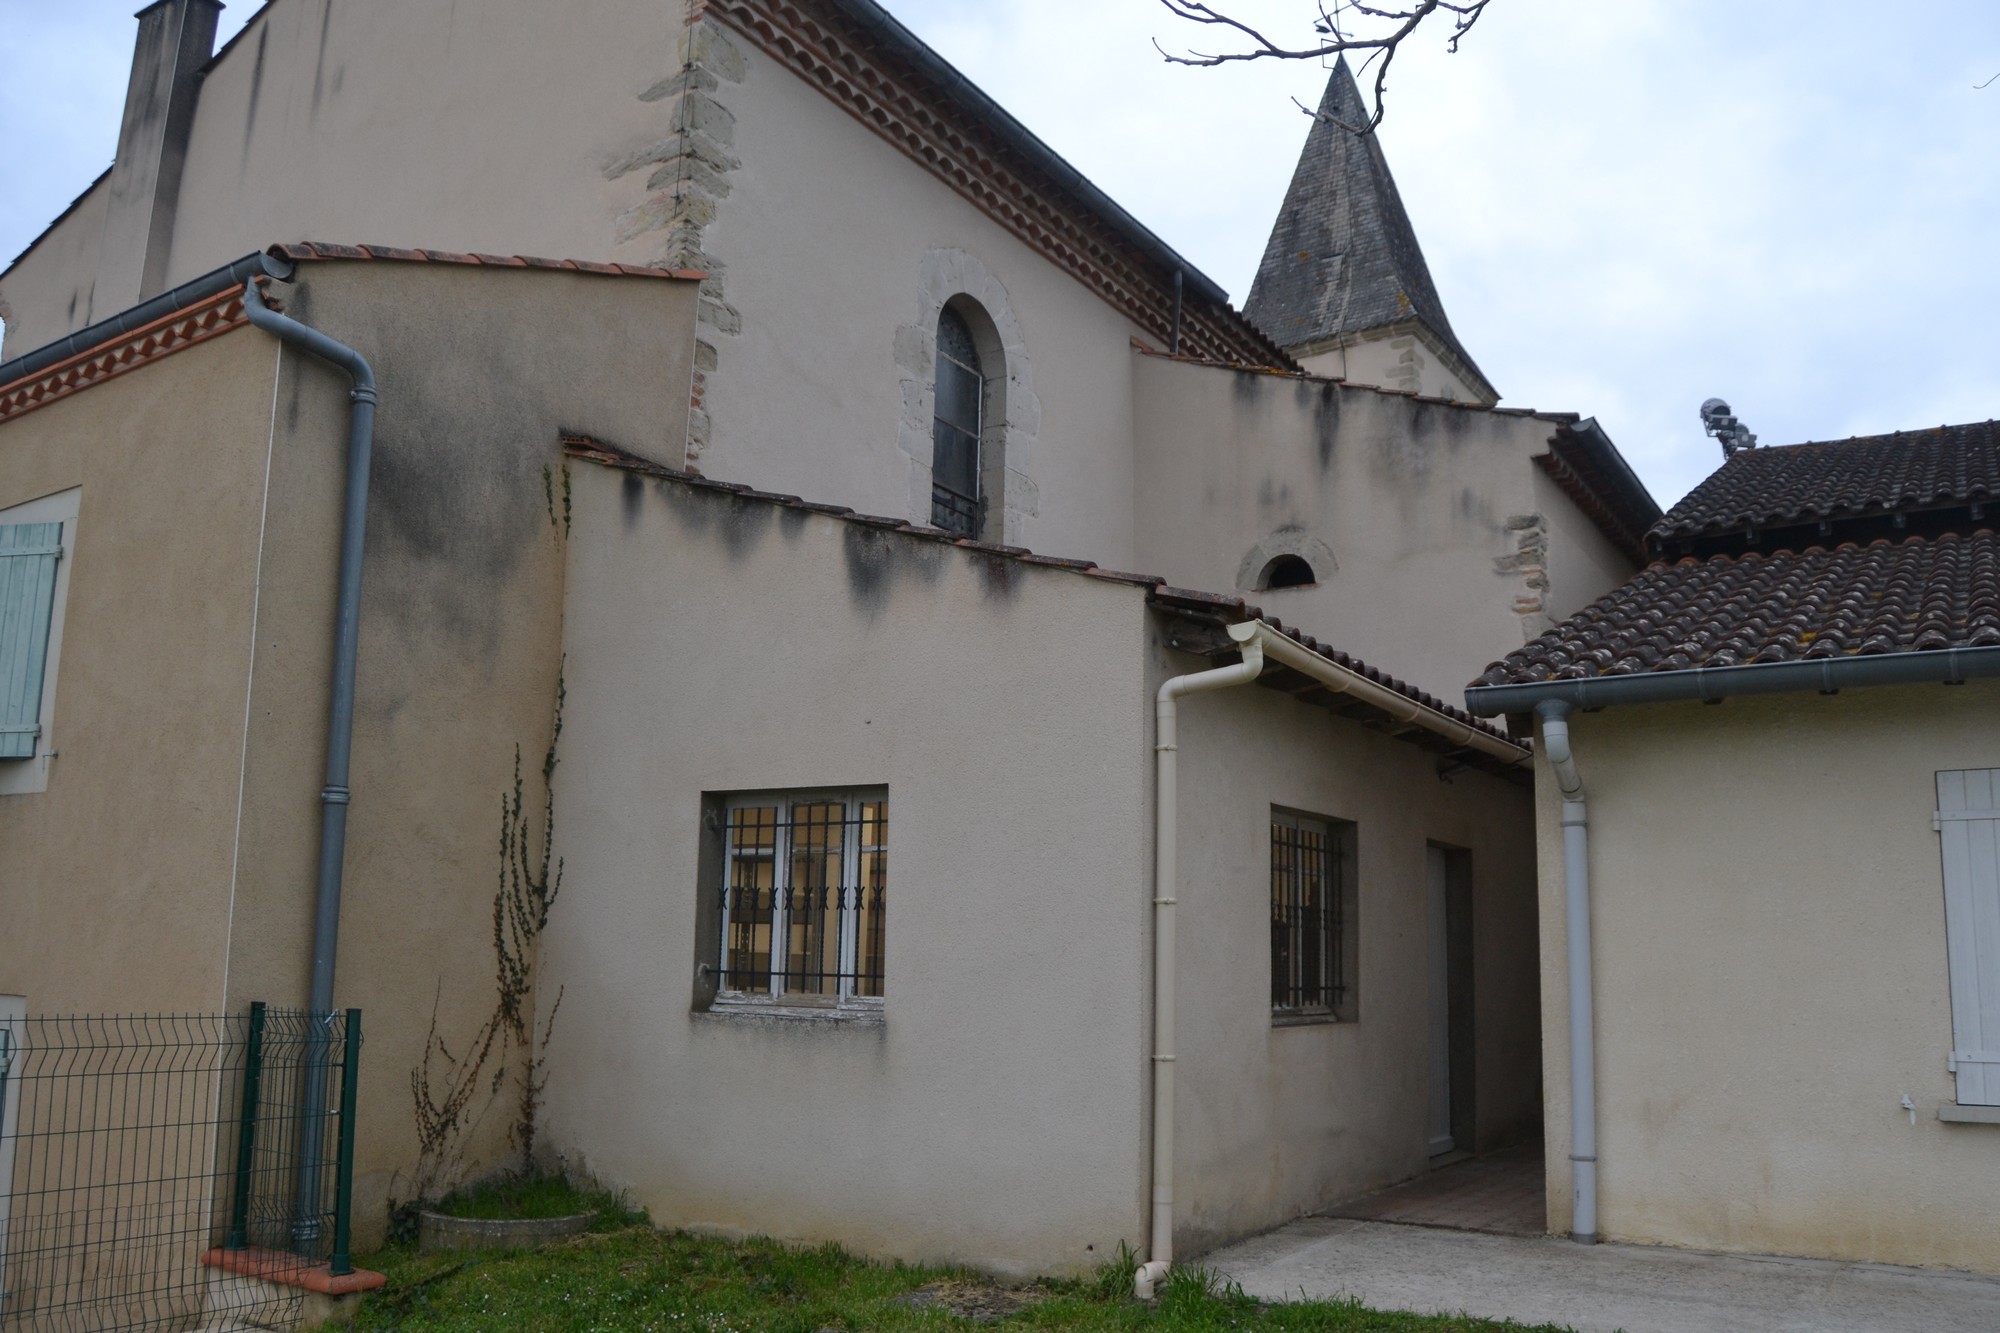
[
  {"x": 327, "y": 250},
  {"x": 1862, "y": 477},
  {"x": 1922, "y": 594}
]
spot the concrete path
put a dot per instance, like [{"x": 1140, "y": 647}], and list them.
[{"x": 1600, "y": 1288}]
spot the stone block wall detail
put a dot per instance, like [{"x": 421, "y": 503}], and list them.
[
  {"x": 1012, "y": 415},
  {"x": 689, "y": 177},
  {"x": 1527, "y": 568}
]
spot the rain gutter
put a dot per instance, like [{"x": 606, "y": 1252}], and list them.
[
  {"x": 1949, "y": 666},
  {"x": 247, "y": 269}
]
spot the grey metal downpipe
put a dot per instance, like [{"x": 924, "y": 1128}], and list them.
[
  {"x": 333, "y": 796},
  {"x": 245, "y": 270},
  {"x": 1582, "y": 1014}
]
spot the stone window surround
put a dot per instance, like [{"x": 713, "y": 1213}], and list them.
[
  {"x": 1012, "y": 413},
  {"x": 1288, "y": 540}
]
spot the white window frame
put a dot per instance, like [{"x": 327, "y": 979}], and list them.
[
  {"x": 23, "y": 776},
  {"x": 851, "y": 800}
]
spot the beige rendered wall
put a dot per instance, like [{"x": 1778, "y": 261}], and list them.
[
  {"x": 1422, "y": 506},
  {"x": 1768, "y": 935},
  {"x": 1582, "y": 564},
  {"x": 417, "y": 123},
  {"x": 1391, "y": 359},
  {"x": 118, "y": 878},
  {"x": 1277, "y": 1121},
  {"x": 536, "y": 129},
  {"x": 996, "y": 1116},
  {"x": 810, "y": 397},
  {"x": 479, "y": 370},
  {"x": 53, "y": 293}
]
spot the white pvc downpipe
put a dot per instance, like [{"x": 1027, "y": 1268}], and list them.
[
  {"x": 1258, "y": 643},
  {"x": 1166, "y": 876},
  {"x": 1582, "y": 1017}
]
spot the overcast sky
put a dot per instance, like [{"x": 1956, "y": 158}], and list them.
[{"x": 1628, "y": 205}]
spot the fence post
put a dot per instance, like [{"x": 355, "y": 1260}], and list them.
[
  {"x": 246, "y": 1133},
  {"x": 343, "y": 1168}
]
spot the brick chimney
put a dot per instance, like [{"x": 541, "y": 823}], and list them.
[{"x": 176, "y": 38}]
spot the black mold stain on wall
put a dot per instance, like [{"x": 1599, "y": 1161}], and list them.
[
  {"x": 999, "y": 577},
  {"x": 1326, "y": 422},
  {"x": 631, "y": 498},
  {"x": 877, "y": 560},
  {"x": 256, "y": 92},
  {"x": 319, "y": 61}
]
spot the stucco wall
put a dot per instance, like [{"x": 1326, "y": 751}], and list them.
[
  {"x": 810, "y": 396},
  {"x": 1275, "y": 1121},
  {"x": 117, "y": 878},
  {"x": 538, "y": 130},
  {"x": 171, "y": 863},
  {"x": 460, "y": 650},
  {"x": 1768, "y": 936},
  {"x": 1392, "y": 358},
  {"x": 54, "y": 292},
  {"x": 996, "y": 1116},
  {"x": 1422, "y": 506}
]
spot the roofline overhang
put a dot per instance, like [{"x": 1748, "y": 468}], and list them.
[
  {"x": 1939, "y": 666},
  {"x": 1018, "y": 136},
  {"x": 247, "y": 269}
]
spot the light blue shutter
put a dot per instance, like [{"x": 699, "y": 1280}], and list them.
[
  {"x": 1968, "y": 823},
  {"x": 28, "y": 555}
]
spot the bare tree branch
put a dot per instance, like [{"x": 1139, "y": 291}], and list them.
[
  {"x": 1332, "y": 36},
  {"x": 1977, "y": 86}
]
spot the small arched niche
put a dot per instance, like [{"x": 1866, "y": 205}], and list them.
[
  {"x": 1291, "y": 557},
  {"x": 1287, "y": 571}
]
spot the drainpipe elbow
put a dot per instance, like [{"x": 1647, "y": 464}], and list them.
[
  {"x": 1147, "y": 1278},
  {"x": 1556, "y": 747}
]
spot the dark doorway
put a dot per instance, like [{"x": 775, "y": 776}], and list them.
[{"x": 1452, "y": 1126}]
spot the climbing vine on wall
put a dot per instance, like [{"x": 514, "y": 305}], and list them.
[{"x": 451, "y": 1090}]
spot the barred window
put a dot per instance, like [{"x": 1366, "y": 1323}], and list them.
[
  {"x": 1312, "y": 916},
  {"x": 804, "y": 890}
]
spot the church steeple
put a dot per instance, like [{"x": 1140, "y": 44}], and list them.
[{"x": 1343, "y": 286}]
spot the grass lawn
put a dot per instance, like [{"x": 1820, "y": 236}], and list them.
[{"x": 638, "y": 1279}]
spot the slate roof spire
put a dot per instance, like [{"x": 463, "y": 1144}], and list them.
[{"x": 1343, "y": 258}]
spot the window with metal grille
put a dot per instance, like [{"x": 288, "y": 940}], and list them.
[
  {"x": 1312, "y": 916},
  {"x": 956, "y": 504},
  {"x": 804, "y": 895}
]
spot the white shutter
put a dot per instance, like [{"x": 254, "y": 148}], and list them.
[{"x": 1968, "y": 823}]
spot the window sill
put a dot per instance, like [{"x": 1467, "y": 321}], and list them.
[
  {"x": 733, "y": 1010},
  {"x": 1953, "y": 1113},
  {"x": 1306, "y": 1020}
]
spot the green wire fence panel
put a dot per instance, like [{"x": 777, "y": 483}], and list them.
[{"x": 133, "y": 1145}]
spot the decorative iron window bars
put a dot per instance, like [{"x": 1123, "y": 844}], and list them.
[
  {"x": 1307, "y": 925},
  {"x": 804, "y": 896}
]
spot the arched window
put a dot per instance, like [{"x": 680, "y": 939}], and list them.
[
  {"x": 1287, "y": 571},
  {"x": 957, "y": 504}
]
